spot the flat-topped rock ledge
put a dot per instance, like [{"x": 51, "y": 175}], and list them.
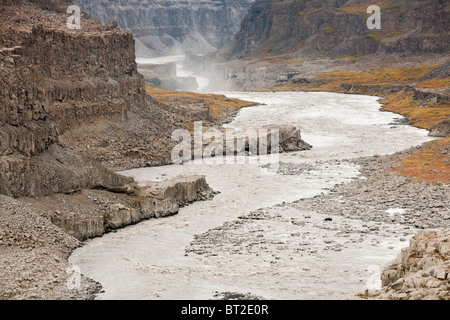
[{"x": 114, "y": 210}]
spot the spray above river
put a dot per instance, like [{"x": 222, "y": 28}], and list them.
[{"x": 178, "y": 76}]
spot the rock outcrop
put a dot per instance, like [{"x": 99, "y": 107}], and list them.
[
  {"x": 248, "y": 142},
  {"x": 164, "y": 76},
  {"x": 164, "y": 27},
  {"x": 420, "y": 271},
  {"x": 442, "y": 129},
  {"x": 68, "y": 98},
  {"x": 250, "y": 75},
  {"x": 289, "y": 140}
]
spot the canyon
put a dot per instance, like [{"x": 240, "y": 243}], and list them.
[
  {"x": 85, "y": 148},
  {"x": 74, "y": 110}
]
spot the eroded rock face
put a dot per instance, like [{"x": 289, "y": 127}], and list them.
[
  {"x": 251, "y": 142},
  {"x": 289, "y": 140},
  {"x": 167, "y": 26}
]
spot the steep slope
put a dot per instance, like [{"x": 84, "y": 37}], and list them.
[
  {"x": 167, "y": 26},
  {"x": 334, "y": 28}
]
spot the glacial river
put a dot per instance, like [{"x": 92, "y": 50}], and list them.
[{"x": 150, "y": 260}]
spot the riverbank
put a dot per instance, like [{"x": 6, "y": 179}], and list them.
[
  {"x": 38, "y": 235},
  {"x": 418, "y": 91},
  {"x": 70, "y": 115},
  {"x": 383, "y": 185}
]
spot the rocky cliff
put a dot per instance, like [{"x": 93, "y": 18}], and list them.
[
  {"x": 50, "y": 82},
  {"x": 167, "y": 26},
  {"x": 69, "y": 99},
  {"x": 334, "y": 28}
]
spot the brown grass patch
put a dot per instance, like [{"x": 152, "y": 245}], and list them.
[
  {"x": 219, "y": 106},
  {"x": 429, "y": 165},
  {"x": 434, "y": 83},
  {"x": 375, "y": 76},
  {"x": 280, "y": 59},
  {"x": 421, "y": 114}
]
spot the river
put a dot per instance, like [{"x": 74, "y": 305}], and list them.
[{"x": 164, "y": 258}]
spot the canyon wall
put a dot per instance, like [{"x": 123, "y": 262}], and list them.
[
  {"x": 59, "y": 89},
  {"x": 164, "y": 27},
  {"x": 336, "y": 28}
]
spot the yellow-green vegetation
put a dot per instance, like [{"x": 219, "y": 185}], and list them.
[
  {"x": 219, "y": 106},
  {"x": 389, "y": 76},
  {"x": 430, "y": 164},
  {"x": 392, "y": 34},
  {"x": 377, "y": 36},
  {"x": 434, "y": 83},
  {"x": 361, "y": 8},
  {"x": 284, "y": 58},
  {"x": 332, "y": 81}
]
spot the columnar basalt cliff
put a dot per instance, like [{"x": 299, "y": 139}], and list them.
[
  {"x": 54, "y": 79},
  {"x": 166, "y": 26},
  {"x": 294, "y": 43},
  {"x": 69, "y": 97},
  {"x": 60, "y": 89}
]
